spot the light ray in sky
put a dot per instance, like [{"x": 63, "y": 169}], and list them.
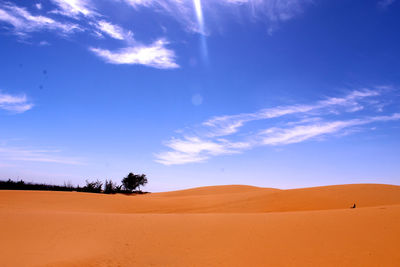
[{"x": 200, "y": 21}]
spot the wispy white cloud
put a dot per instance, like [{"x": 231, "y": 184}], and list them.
[
  {"x": 70, "y": 16},
  {"x": 271, "y": 12},
  {"x": 299, "y": 123},
  {"x": 114, "y": 31},
  {"x": 181, "y": 10},
  {"x": 88, "y": 20},
  {"x": 24, "y": 22},
  {"x": 226, "y": 125},
  {"x": 36, "y": 155},
  {"x": 297, "y": 134},
  {"x": 195, "y": 149},
  {"x": 74, "y": 8},
  {"x": 154, "y": 55},
  {"x": 14, "y": 103}
]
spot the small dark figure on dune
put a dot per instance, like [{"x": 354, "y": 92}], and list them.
[{"x": 354, "y": 206}]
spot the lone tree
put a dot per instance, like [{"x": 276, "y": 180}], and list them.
[{"x": 133, "y": 181}]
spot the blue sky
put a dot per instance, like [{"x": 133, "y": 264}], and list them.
[{"x": 274, "y": 93}]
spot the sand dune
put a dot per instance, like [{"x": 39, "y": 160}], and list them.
[
  {"x": 208, "y": 226},
  {"x": 214, "y": 199}
]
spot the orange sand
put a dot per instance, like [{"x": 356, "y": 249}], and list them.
[{"x": 208, "y": 226}]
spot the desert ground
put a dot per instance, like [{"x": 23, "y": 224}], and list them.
[{"x": 209, "y": 226}]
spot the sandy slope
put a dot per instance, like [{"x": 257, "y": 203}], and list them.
[{"x": 209, "y": 226}]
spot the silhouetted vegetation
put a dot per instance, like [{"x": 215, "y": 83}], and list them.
[
  {"x": 110, "y": 187},
  {"x": 118, "y": 188},
  {"x": 93, "y": 187},
  {"x": 21, "y": 185},
  {"x": 133, "y": 181},
  {"x": 68, "y": 185},
  {"x": 129, "y": 185}
]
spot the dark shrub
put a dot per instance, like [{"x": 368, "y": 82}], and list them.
[
  {"x": 21, "y": 185},
  {"x": 93, "y": 187},
  {"x": 110, "y": 187},
  {"x": 118, "y": 189},
  {"x": 133, "y": 181}
]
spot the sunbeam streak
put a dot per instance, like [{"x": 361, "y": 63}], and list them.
[{"x": 200, "y": 21}]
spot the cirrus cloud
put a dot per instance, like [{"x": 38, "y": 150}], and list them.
[
  {"x": 67, "y": 17},
  {"x": 154, "y": 55},
  {"x": 74, "y": 8},
  {"x": 9, "y": 153},
  {"x": 14, "y": 103},
  {"x": 278, "y": 126},
  {"x": 114, "y": 31},
  {"x": 24, "y": 22}
]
